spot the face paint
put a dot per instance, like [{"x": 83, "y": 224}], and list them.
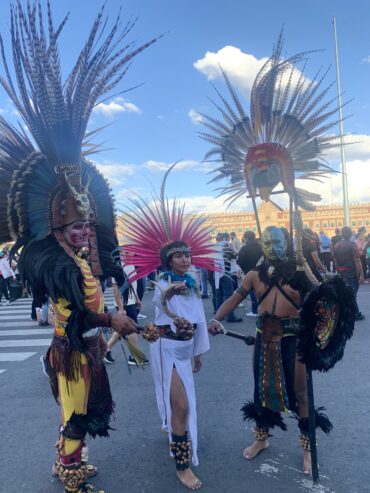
[
  {"x": 273, "y": 243},
  {"x": 77, "y": 234}
]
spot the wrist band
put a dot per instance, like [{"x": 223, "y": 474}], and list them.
[{"x": 218, "y": 323}]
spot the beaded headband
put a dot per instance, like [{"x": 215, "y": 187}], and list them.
[{"x": 182, "y": 249}]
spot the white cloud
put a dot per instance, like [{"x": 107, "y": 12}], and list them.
[
  {"x": 360, "y": 149},
  {"x": 366, "y": 59},
  {"x": 124, "y": 195},
  {"x": 116, "y": 173},
  {"x": 118, "y": 105},
  {"x": 208, "y": 203},
  {"x": 195, "y": 117},
  {"x": 240, "y": 67},
  {"x": 358, "y": 179},
  {"x": 162, "y": 166}
]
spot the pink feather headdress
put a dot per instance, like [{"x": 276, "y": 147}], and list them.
[{"x": 148, "y": 227}]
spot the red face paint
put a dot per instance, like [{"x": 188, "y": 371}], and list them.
[{"x": 77, "y": 234}]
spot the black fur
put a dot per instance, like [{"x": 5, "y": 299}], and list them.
[
  {"x": 92, "y": 423},
  {"x": 51, "y": 272},
  {"x": 332, "y": 290},
  {"x": 286, "y": 273},
  {"x": 322, "y": 421},
  {"x": 263, "y": 417}
]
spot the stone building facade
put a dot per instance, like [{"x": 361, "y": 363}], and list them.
[{"x": 325, "y": 218}]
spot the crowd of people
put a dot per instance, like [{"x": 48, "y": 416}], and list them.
[{"x": 347, "y": 253}]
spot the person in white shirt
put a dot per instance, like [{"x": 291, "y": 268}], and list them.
[
  {"x": 6, "y": 274},
  {"x": 127, "y": 303}
]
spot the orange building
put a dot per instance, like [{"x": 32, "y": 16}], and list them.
[{"x": 325, "y": 218}]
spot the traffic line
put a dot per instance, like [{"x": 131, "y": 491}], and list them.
[
  {"x": 13, "y": 317},
  {"x": 5, "y": 357},
  {"x": 18, "y": 324},
  {"x": 2, "y": 371},
  {"x": 15, "y": 309},
  {"x": 25, "y": 343},
  {"x": 25, "y": 332}
]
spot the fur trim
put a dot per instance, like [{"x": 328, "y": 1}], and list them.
[
  {"x": 51, "y": 272},
  {"x": 91, "y": 423},
  {"x": 331, "y": 291},
  {"x": 322, "y": 421},
  {"x": 263, "y": 417},
  {"x": 286, "y": 273}
]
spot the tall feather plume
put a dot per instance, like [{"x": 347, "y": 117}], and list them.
[
  {"x": 285, "y": 109},
  {"x": 147, "y": 227},
  {"x": 57, "y": 112}
]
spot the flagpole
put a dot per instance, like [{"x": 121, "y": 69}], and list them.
[{"x": 342, "y": 154}]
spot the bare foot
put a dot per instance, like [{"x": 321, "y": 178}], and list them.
[
  {"x": 189, "y": 479},
  {"x": 255, "y": 449},
  {"x": 307, "y": 469}
]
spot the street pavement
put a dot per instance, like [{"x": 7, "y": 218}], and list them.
[{"x": 135, "y": 458}]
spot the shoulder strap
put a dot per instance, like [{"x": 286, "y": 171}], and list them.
[
  {"x": 282, "y": 291},
  {"x": 287, "y": 297},
  {"x": 265, "y": 294}
]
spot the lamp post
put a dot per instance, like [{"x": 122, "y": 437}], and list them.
[{"x": 342, "y": 154}]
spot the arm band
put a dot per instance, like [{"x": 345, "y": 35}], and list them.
[
  {"x": 242, "y": 292},
  {"x": 93, "y": 320}
]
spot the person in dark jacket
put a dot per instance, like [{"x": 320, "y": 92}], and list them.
[
  {"x": 348, "y": 263},
  {"x": 249, "y": 254}
]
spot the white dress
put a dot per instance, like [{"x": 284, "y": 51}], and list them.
[{"x": 167, "y": 353}]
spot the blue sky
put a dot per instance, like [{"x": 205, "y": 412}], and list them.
[{"x": 155, "y": 124}]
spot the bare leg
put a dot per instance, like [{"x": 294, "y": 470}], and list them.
[
  {"x": 300, "y": 387},
  {"x": 256, "y": 447},
  {"x": 133, "y": 338},
  {"x": 112, "y": 341},
  {"x": 180, "y": 411}
]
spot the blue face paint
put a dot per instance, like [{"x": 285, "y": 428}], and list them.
[{"x": 273, "y": 243}]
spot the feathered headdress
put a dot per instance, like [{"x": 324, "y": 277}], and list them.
[
  {"x": 147, "y": 228},
  {"x": 47, "y": 182},
  {"x": 282, "y": 139}
]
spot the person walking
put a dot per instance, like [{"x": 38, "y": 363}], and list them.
[
  {"x": 127, "y": 303},
  {"x": 249, "y": 254},
  {"x": 348, "y": 264},
  {"x": 311, "y": 246},
  {"x": 361, "y": 243},
  {"x": 6, "y": 274},
  {"x": 223, "y": 279}
]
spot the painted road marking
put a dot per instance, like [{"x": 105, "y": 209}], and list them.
[
  {"x": 15, "y": 356},
  {"x": 26, "y": 332},
  {"x": 25, "y": 343}
]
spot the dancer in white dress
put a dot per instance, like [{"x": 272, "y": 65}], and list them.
[
  {"x": 159, "y": 235},
  {"x": 171, "y": 357}
]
